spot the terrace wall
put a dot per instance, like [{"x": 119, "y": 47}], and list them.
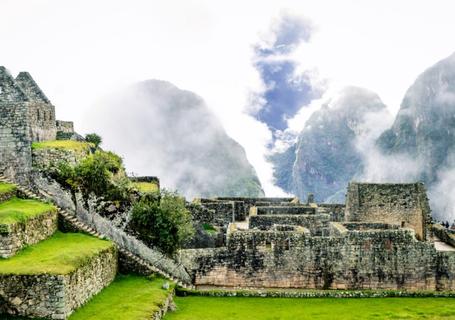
[
  {"x": 376, "y": 259},
  {"x": 14, "y": 237},
  {"x": 56, "y": 296}
]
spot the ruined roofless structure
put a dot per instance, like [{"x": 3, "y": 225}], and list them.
[{"x": 26, "y": 116}]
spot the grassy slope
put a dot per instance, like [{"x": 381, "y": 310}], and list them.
[
  {"x": 192, "y": 308},
  {"x": 17, "y": 210},
  {"x": 60, "y": 254},
  {"x": 128, "y": 297},
  {"x": 62, "y": 144},
  {"x": 146, "y": 187},
  {"x": 6, "y": 187}
]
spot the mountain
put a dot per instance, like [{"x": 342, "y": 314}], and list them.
[
  {"x": 171, "y": 133},
  {"x": 424, "y": 127},
  {"x": 326, "y": 155}
]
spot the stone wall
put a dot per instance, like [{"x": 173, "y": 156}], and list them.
[
  {"x": 49, "y": 157},
  {"x": 374, "y": 259},
  {"x": 316, "y": 223},
  {"x": 15, "y": 141},
  {"x": 283, "y": 210},
  {"x": 65, "y": 126},
  {"x": 14, "y": 237},
  {"x": 402, "y": 204},
  {"x": 42, "y": 121},
  {"x": 57, "y": 296}
]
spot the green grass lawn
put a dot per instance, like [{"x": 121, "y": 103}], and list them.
[
  {"x": 19, "y": 210},
  {"x": 6, "y": 187},
  {"x": 60, "y": 254},
  {"x": 127, "y": 298},
  {"x": 146, "y": 187},
  {"x": 208, "y": 308},
  {"x": 62, "y": 144}
]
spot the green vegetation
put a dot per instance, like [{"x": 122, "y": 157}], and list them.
[
  {"x": 101, "y": 174},
  {"x": 6, "y": 187},
  {"x": 94, "y": 139},
  {"x": 162, "y": 221},
  {"x": 192, "y": 308},
  {"x": 128, "y": 297},
  {"x": 19, "y": 210},
  {"x": 209, "y": 228},
  {"x": 60, "y": 254},
  {"x": 146, "y": 187},
  {"x": 62, "y": 144}
]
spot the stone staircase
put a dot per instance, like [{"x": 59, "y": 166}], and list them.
[{"x": 72, "y": 219}]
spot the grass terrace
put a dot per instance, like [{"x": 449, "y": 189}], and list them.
[
  {"x": 128, "y": 297},
  {"x": 6, "y": 187},
  {"x": 62, "y": 144},
  {"x": 236, "y": 308},
  {"x": 146, "y": 187},
  {"x": 19, "y": 210},
  {"x": 60, "y": 254}
]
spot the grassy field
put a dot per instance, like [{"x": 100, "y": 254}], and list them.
[
  {"x": 127, "y": 298},
  {"x": 60, "y": 254},
  {"x": 6, "y": 187},
  {"x": 62, "y": 144},
  {"x": 146, "y": 187},
  {"x": 17, "y": 210},
  {"x": 208, "y": 308}
]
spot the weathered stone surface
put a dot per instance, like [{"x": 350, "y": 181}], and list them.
[
  {"x": 402, "y": 204},
  {"x": 14, "y": 237},
  {"x": 46, "y": 158},
  {"x": 57, "y": 296}
]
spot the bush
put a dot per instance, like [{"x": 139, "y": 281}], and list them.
[
  {"x": 94, "y": 138},
  {"x": 162, "y": 221}
]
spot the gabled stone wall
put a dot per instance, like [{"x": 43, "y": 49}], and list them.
[{"x": 402, "y": 204}]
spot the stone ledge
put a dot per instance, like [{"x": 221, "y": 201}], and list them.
[
  {"x": 57, "y": 296},
  {"x": 14, "y": 237}
]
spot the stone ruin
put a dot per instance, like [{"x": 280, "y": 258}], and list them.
[
  {"x": 381, "y": 239},
  {"x": 26, "y": 116}
]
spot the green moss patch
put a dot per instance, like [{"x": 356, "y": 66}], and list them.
[
  {"x": 192, "y": 308},
  {"x": 6, "y": 187},
  {"x": 60, "y": 254},
  {"x": 128, "y": 297},
  {"x": 19, "y": 210},
  {"x": 146, "y": 187},
  {"x": 62, "y": 144}
]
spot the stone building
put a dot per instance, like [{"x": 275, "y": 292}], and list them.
[
  {"x": 26, "y": 116},
  {"x": 381, "y": 239}
]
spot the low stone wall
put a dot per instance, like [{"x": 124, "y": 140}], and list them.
[
  {"x": 336, "y": 211},
  {"x": 375, "y": 259},
  {"x": 316, "y": 223},
  {"x": 7, "y": 195},
  {"x": 14, "y": 237},
  {"x": 443, "y": 234},
  {"x": 283, "y": 210},
  {"x": 50, "y": 157},
  {"x": 57, "y": 296}
]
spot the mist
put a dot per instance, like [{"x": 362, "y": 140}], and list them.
[{"x": 163, "y": 131}]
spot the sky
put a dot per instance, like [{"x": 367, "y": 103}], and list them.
[{"x": 244, "y": 58}]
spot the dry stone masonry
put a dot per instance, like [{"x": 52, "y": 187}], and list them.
[{"x": 379, "y": 240}]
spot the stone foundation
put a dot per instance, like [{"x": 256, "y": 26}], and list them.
[
  {"x": 14, "y": 237},
  {"x": 57, "y": 296}
]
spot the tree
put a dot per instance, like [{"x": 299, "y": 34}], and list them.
[
  {"x": 162, "y": 221},
  {"x": 94, "y": 138}
]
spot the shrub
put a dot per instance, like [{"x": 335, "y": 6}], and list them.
[
  {"x": 94, "y": 138},
  {"x": 162, "y": 221}
]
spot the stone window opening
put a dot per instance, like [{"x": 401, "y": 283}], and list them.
[
  {"x": 268, "y": 244},
  {"x": 287, "y": 244},
  {"x": 403, "y": 223}
]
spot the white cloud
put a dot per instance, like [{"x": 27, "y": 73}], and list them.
[{"x": 80, "y": 50}]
